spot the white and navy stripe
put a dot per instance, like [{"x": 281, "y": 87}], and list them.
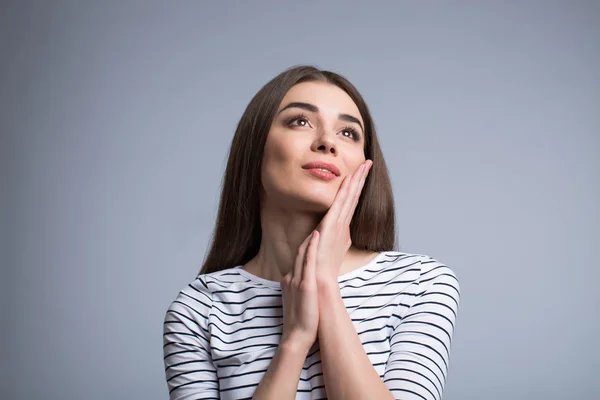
[{"x": 223, "y": 329}]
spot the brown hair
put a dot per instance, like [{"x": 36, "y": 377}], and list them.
[{"x": 238, "y": 233}]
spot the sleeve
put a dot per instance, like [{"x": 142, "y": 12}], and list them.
[
  {"x": 189, "y": 369},
  {"x": 420, "y": 342}
]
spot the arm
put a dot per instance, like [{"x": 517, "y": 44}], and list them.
[
  {"x": 347, "y": 370},
  {"x": 281, "y": 379},
  {"x": 189, "y": 369},
  {"x": 300, "y": 324},
  {"x": 420, "y": 341}
]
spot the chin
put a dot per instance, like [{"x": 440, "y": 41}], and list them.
[
  {"x": 319, "y": 194},
  {"x": 308, "y": 196},
  {"x": 304, "y": 201},
  {"x": 316, "y": 200}
]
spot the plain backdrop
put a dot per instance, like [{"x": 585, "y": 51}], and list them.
[{"x": 116, "y": 118}]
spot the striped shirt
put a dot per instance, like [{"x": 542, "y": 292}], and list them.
[{"x": 222, "y": 330}]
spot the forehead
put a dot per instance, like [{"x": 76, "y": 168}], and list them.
[{"x": 328, "y": 98}]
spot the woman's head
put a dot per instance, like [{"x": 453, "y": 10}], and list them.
[
  {"x": 303, "y": 115},
  {"x": 316, "y": 123}
]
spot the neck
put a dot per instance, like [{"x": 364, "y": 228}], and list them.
[{"x": 283, "y": 231}]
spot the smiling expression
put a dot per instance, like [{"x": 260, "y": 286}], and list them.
[{"x": 316, "y": 122}]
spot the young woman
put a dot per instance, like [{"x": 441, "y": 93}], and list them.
[{"x": 302, "y": 295}]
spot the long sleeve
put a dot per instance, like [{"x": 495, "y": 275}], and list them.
[
  {"x": 189, "y": 369},
  {"x": 420, "y": 341}
]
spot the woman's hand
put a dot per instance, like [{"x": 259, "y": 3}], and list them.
[
  {"x": 326, "y": 246},
  {"x": 300, "y": 305},
  {"x": 335, "y": 225}
]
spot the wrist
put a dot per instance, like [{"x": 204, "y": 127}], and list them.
[
  {"x": 328, "y": 286},
  {"x": 294, "y": 347}
]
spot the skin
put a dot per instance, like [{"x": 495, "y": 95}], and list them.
[
  {"x": 293, "y": 201},
  {"x": 306, "y": 244}
]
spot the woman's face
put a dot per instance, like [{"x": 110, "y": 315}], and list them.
[{"x": 316, "y": 122}]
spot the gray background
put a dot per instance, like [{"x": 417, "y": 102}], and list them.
[{"x": 116, "y": 118}]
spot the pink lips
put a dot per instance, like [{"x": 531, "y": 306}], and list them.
[
  {"x": 318, "y": 164},
  {"x": 322, "y": 170},
  {"x": 328, "y": 176}
]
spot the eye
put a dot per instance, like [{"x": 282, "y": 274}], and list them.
[
  {"x": 354, "y": 135},
  {"x": 300, "y": 118}
]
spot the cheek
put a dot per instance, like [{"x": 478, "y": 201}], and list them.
[
  {"x": 283, "y": 178},
  {"x": 356, "y": 161},
  {"x": 276, "y": 166},
  {"x": 271, "y": 174},
  {"x": 282, "y": 157}
]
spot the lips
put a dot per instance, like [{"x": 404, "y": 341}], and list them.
[{"x": 318, "y": 164}]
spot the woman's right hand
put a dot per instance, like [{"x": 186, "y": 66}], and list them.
[{"x": 300, "y": 302}]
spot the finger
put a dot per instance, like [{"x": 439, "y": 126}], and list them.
[
  {"x": 349, "y": 212},
  {"x": 310, "y": 266},
  {"x": 285, "y": 281},
  {"x": 336, "y": 208},
  {"x": 298, "y": 263},
  {"x": 354, "y": 191}
]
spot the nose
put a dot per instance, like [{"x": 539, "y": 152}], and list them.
[{"x": 324, "y": 143}]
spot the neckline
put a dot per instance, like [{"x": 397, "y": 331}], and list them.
[{"x": 276, "y": 284}]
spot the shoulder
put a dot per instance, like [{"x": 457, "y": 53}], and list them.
[
  {"x": 438, "y": 289},
  {"x": 435, "y": 272},
  {"x": 422, "y": 270},
  {"x": 432, "y": 268},
  {"x": 197, "y": 296},
  {"x": 193, "y": 302}
]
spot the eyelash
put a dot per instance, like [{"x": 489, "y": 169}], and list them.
[{"x": 355, "y": 134}]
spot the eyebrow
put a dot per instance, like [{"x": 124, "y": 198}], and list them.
[{"x": 313, "y": 108}]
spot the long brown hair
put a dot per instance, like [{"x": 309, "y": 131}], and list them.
[{"x": 237, "y": 233}]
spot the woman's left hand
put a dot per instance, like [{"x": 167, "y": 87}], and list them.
[{"x": 334, "y": 228}]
